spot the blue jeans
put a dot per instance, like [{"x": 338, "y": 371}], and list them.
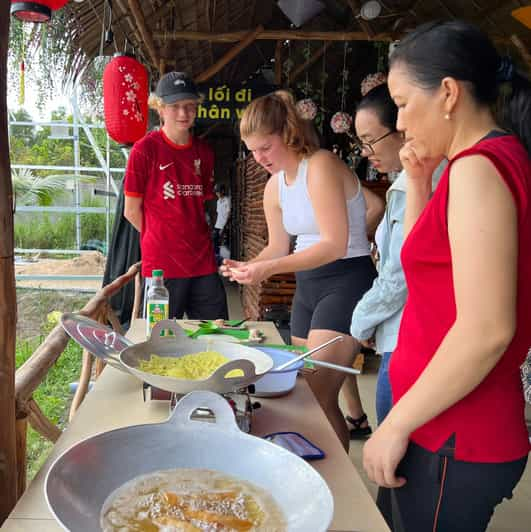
[{"x": 384, "y": 399}]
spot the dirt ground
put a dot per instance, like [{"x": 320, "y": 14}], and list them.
[
  {"x": 92, "y": 263},
  {"x": 37, "y": 298}
]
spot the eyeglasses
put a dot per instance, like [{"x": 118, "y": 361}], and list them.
[
  {"x": 360, "y": 146},
  {"x": 188, "y": 108}
]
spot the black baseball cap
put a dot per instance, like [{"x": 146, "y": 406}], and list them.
[{"x": 175, "y": 86}]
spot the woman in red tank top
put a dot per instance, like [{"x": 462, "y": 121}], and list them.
[{"x": 455, "y": 442}]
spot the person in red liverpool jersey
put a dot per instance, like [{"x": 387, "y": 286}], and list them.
[{"x": 169, "y": 176}]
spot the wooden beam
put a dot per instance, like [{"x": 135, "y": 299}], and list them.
[
  {"x": 249, "y": 38},
  {"x": 8, "y": 300},
  {"x": 83, "y": 384},
  {"x": 272, "y": 35},
  {"x": 33, "y": 371},
  {"x": 140, "y": 22},
  {"x": 278, "y": 63},
  {"x": 302, "y": 68},
  {"x": 41, "y": 423}
]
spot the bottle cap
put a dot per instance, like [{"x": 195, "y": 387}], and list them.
[{"x": 157, "y": 273}]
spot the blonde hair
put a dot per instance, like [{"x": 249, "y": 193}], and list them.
[{"x": 275, "y": 114}]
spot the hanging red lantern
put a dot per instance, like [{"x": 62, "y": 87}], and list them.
[
  {"x": 125, "y": 96},
  {"x": 36, "y": 10}
]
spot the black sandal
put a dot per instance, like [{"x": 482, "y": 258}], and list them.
[{"x": 358, "y": 432}]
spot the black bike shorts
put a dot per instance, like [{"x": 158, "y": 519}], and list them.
[{"x": 326, "y": 296}]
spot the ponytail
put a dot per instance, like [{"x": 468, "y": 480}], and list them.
[{"x": 276, "y": 114}]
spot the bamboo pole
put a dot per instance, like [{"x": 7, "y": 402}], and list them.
[
  {"x": 138, "y": 297},
  {"x": 8, "y": 301},
  {"x": 83, "y": 384},
  {"x": 140, "y": 22},
  {"x": 248, "y": 39},
  {"x": 272, "y": 35},
  {"x": 41, "y": 423}
]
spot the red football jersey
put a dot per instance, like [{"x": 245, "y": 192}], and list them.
[{"x": 174, "y": 181}]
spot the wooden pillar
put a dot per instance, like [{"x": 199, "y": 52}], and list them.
[{"x": 8, "y": 303}]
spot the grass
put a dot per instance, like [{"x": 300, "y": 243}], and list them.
[
  {"x": 42, "y": 230},
  {"x": 52, "y": 396},
  {"x": 38, "y": 311}
]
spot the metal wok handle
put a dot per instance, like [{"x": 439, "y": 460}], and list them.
[
  {"x": 223, "y": 413},
  {"x": 177, "y": 330},
  {"x": 248, "y": 368}
]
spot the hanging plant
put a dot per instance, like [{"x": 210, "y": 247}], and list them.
[
  {"x": 371, "y": 81},
  {"x": 341, "y": 122},
  {"x": 52, "y": 59},
  {"x": 307, "y": 109}
]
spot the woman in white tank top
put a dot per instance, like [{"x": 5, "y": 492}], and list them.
[{"x": 311, "y": 195}]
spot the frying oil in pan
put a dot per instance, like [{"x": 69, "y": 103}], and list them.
[{"x": 189, "y": 500}]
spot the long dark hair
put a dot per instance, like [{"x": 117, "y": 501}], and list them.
[
  {"x": 380, "y": 102},
  {"x": 457, "y": 49}
]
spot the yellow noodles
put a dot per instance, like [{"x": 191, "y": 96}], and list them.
[{"x": 195, "y": 366}]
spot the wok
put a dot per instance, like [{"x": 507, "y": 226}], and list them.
[
  {"x": 124, "y": 355},
  {"x": 81, "y": 479}
]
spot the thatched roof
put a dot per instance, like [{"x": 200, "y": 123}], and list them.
[{"x": 193, "y": 35}]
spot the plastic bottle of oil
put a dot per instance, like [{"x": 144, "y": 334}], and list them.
[{"x": 157, "y": 301}]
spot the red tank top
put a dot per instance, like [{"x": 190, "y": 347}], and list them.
[{"x": 488, "y": 423}]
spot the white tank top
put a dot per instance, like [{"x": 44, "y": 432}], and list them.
[{"x": 299, "y": 220}]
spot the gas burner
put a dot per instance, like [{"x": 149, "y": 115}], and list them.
[{"x": 239, "y": 401}]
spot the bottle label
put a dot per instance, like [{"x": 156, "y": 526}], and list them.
[{"x": 157, "y": 310}]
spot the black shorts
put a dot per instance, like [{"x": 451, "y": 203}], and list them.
[
  {"x": 202, "y": 297},
  {"x": 326, "y": 296}
]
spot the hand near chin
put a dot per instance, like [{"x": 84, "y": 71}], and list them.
[{"x": 418, "y": 167}]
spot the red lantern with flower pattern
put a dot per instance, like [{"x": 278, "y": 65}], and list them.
[
  {"x": 125, "y": 96},
  {"x": 36, "y": 10}
]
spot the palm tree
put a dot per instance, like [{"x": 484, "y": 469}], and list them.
[{"x": 31, "y": 189}]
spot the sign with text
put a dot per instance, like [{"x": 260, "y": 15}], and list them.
[{"x": 227, "y": 102}]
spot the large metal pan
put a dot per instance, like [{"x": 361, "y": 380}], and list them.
[
  {"x": 122, "y": 354},
  {"x": 81, "y": 479}
]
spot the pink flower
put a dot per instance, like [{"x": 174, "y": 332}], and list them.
[
  {"x": 128, "y": 78},
  {"x": 371, "y": 81},
  {"x": 307, "y": 109},
  {"x": 341, "y": 122},
  {"x": 131, "y": 96}
]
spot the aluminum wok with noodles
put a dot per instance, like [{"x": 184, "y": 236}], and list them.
[
  {"x": 125, "y": 355},
  {"x": 81, "y": 479}
]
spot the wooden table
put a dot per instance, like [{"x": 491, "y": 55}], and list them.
[{"x": 116, "y": 401}]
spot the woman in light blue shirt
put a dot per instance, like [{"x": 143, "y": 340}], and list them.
[{"x": 377, "y": 315}]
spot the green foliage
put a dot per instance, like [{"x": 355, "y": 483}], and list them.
[
  {"x": 53, "y": 396},
  {"x": 38, "y": 312},
  {"x": 44, "y": 231},
  {"x": 52, "y": 57},
  {"x": 31, "y": 189}
]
